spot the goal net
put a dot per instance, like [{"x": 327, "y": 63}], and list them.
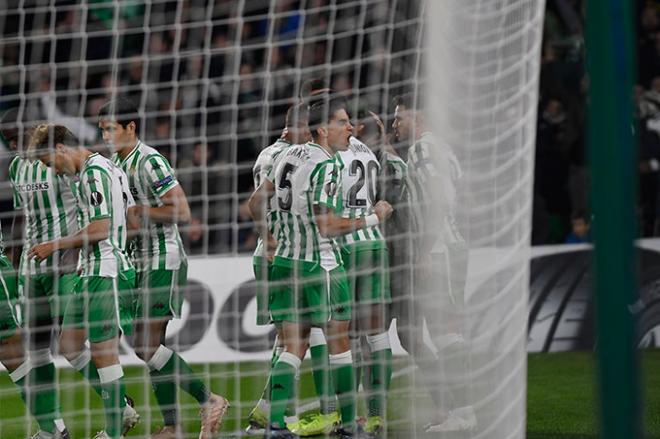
[{"x": 455, "y": 84}]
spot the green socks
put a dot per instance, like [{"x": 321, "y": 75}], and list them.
[
  {"x": 321, "y": 371},
  {"x": 380, "y": 373},
  {"x": 112, "y": 395},
  {"x": 85, "y": 366},
  {"x": 277, "y": 350},
  {"x": 283, "y": 379},
  {"x": 167, "y": 369},
  {"x": 38, "y": 389},
  {"x": 343, "y": 379}
]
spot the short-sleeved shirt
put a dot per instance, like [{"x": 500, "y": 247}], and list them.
[
  {"x": 305, "y": 176},
  {"x": 359, "y": 190},
  {"x": 433, "y": 171},
  {"x": 260, "y": 170},
  {"x": 49, "y": 208},
  {"x": 150, "y": 177},
  {"x": 103, "y": 193}
]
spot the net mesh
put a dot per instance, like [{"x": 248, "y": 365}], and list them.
[{"x": 213, "y": 80}]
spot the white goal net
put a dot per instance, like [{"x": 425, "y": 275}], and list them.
[{"x": 455, "y": 85}]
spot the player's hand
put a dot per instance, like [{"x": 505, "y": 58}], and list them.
[
  {"x": 383, "y": 210},
  {"x": 41, "y": 251},
  {"x": 379, "y": 122}
]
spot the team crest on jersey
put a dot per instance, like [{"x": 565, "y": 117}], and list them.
[{"x": 96, "y": 198}]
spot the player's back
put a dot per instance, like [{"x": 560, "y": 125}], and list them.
[
  {"x": 265, "y": 160},
  {"x": 48, "y": 202},
  {"x": 304, "y": 175},
  {"x": 359, "y": 189},
  {"x": 262, "y": 167}
]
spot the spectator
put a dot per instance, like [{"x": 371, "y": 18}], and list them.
[{"x": 580, "y": 228}]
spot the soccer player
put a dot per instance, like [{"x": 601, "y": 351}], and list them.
[
  {"x": 296, "y": 132},
  {"x": 162, "y": 267},
  {"x": 366, "y": 261},
  {"x": 309, "y": 285},
  {"x": 101, "y": 308},
  {"x": 49, "y": 210},
  {"x": 431, "y": 182}
]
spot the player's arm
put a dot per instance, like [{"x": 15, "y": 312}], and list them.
[
  {"x": 96, "y": 231},
  {"x": 331, "y": 225},
  {"x": 258, "y": 201},
  {"x": 98, "y": 184},
  {"x": 175, "y": 208},
  {"x": 326, "y": 196},
  {"x": 158, "y": 175}
]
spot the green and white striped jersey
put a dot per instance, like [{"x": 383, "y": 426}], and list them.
[
  {"x": 150, "y": 177},
  {"x": 359, "y": 184},
  {"x": 305, "y": 176},
  {"x": 103, "y": 192},
  {"x": 433, "y": 172},
  {"x": 260, "y": 170},
  {"x": 49, "y": 209}
]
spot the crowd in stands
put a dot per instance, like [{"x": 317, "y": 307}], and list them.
[
  {"x": 562, "y": 177},
  {"x": 205, "y": 110}
]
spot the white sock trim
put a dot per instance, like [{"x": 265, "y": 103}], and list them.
[
  {"x": 110, "y": 373},
  {"x": 290, "y": 359},
  {"x": 379, "y": 342},
  {"x": 82, "y": 360},
  {"x": 59, "y": 425},
  {"x": 316, "y": 337},
  {"x": 160, "y": 358},
  {"x": 40, "y": 357},
  {"x": 20, "y": 372},
  {"x": 343, "y": 358}
]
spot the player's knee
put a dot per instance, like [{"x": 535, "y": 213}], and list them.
[{"x": 142, "y": 353}]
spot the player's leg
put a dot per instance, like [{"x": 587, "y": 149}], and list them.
[
  {"x": 13, "y": 358},
  {"x": 327, "y": 419},
  {"x": 73, "y": 336},
  {"x": 283, "y": 374},
  {"x": 341, "y": 359},
  {"x": 102, "y": 303},
  {"x": 163, "y": 298},
  {"x": 39, "y": 316},
  {"x": 373, "y": 291},
  {"x": 295, "y": 296},
  {"x": 449, "y": 278},
  {"x": 258, "y": 416}
]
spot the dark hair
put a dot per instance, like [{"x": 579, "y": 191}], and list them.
[
  {"x": 297, "y": 114},
  {"x": 410, "y": 101},
  {"x": 122, "y": 111},
  {"x": 312, "y": 85},
  {"x": 321, "y": 112},
  {"x": 47, "y": 135},
  {"x": 581, "y": 214}
]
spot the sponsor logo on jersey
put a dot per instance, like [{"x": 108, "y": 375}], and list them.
[
  {"x": 96, "y": 198},
  {"x": 33, "y": 187},
  {"x": 163, "y": 182}
]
